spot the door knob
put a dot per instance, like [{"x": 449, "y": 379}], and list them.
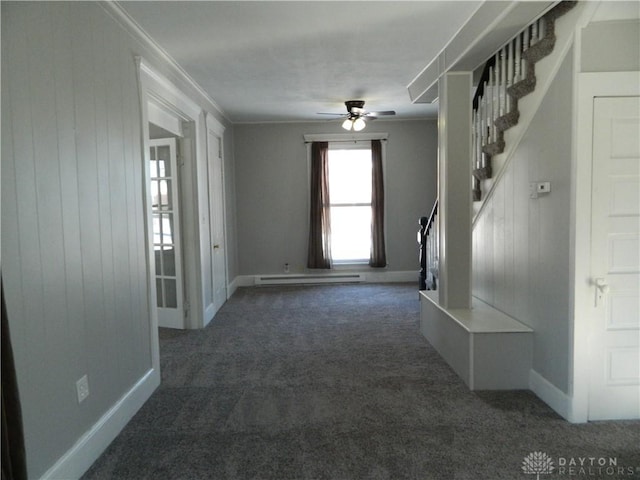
[
  {"x": 602, "y": 285},
  {"x": 602, "y": 288}
]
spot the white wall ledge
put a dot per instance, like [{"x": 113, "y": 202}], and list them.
[{"x": 480, "y": 318}]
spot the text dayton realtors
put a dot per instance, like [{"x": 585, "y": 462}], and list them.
[{"x": 593, "y": 466}]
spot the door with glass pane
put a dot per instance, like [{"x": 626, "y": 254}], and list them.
[{"x": 166, "y": 232}]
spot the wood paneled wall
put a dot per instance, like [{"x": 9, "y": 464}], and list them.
[
  {"x": 521, "y": 246},
  {"x": 73, "y": 246}
]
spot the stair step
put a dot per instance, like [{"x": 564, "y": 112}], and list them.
[
  {"x": 523, "y": 87},
  {"x": 507, "y": 120},
  {"x": 483, "y": 173},
  {"x": 494, "y": 148}
]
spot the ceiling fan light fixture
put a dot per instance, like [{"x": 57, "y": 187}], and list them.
[
  {"x": 355, "y": 116},
  {"x": 359, "y": 124}
]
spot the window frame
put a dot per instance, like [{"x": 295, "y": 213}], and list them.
[
  {"x": 348, "y": 139},
  {"x": 340, "y": 146}
]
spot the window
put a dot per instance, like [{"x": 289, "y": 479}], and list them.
[
  {"x": 346, "y": 204},
  {"x": 350, "y": 203}
]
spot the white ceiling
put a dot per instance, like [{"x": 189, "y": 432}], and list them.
[{"x": 263, "y": 61}]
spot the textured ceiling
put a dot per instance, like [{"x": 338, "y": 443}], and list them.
[{"x": 285, "y": 61}]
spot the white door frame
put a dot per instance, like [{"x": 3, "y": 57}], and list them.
[
  {"x": 216, "y": 128},
  {"x": 589, "y": 86},
  {"x": 157, "y": 90}
]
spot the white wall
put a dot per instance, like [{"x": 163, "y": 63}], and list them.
[
  {"x": 611, "y": 46},
  {"x": 272, "y": 191},
  {"x": 73, "y": 245},
  {"x": 521, "y": 246}
]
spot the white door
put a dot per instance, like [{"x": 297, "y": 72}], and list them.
[
  {"x": 614, "y": 390},
  {"x": 217, "y": 281},
  {"x": 166, "y": 232}
]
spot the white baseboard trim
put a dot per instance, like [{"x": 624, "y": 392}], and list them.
[
  {"x": 243, "y": 281},
  {"x": 232, "y": 287},
  {"x": 374, "y": 276},
  {"x": 550, "y": 394},
  {"x": 366, "y": 276},
  {"x": 77, "y": 460}
]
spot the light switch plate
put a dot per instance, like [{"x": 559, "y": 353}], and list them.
[{"x": 82, "y": 388}]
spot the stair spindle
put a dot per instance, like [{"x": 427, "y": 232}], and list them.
[
  {"x": 503, "y": 82},
  {"x": 523, "y": 63},
  {"x": 479, "y": 137},
  {"x": 474, "y": 160},
  {"x": 490, "y": 105},
  {"x": 518, "y": 51},
  {"x": 483, "y": 113},
  {"x": 496, "y": 104},
  {"x": 496, "y": 111}
]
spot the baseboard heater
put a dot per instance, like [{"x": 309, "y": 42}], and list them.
[{"x": 308, "y": 279}]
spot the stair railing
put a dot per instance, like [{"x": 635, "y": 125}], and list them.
[
  {"x": 496, "y": 98},
  {"x": 432, "y": 250}
]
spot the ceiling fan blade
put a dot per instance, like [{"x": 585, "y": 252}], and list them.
[
  {"x": 378, "y": 114},
  {"x": 334, "y": 114}
]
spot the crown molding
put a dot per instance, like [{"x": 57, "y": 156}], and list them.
[{"x": 119, "y": 14}]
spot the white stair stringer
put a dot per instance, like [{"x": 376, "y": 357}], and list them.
[{"x": 545, "y": 72}]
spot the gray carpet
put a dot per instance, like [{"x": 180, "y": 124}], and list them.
[{"x": 336, "y": 382}]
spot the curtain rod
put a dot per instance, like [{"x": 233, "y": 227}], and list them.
[{"x": 344, "y": 137}]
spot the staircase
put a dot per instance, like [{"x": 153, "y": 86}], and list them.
[{"x": 508, "y": 76}]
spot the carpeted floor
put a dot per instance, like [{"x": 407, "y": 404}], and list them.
[{"x": 336, "y": 382}]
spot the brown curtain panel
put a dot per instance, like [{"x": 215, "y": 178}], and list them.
[
  {"x": 378, "y": 257},
  {"x": 320, "y": 219},
  {"x": 14, "y": 465}
]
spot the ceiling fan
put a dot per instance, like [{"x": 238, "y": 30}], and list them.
[{"x": 356, "y": 114}]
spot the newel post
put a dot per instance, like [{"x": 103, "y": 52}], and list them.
[{"x": 454, "y": 189}]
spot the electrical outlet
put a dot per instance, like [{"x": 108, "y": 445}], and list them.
[
  {"x": 82, "y": 388},
  {"x": 286, "y": 268}
]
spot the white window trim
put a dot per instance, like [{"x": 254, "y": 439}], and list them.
[
  {"x": 309, "y": 138},
  {"x": 344, "y": 137}
]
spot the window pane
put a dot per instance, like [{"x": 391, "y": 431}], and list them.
[
  {"x": 159, "y": 298},
  {"x": 164, "y": 198},
  {"x": 168, "y": 262},
  {"x": 350, "y": 176},
  {"x": 154, "y": 194},
  {"x": 164, "y": 161},
  {"x": 163, "y": 229},
  {"x": 350, "y": 233},
  {"x": 170, "y": 295},
  {"x": 158, "y": 255}
]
